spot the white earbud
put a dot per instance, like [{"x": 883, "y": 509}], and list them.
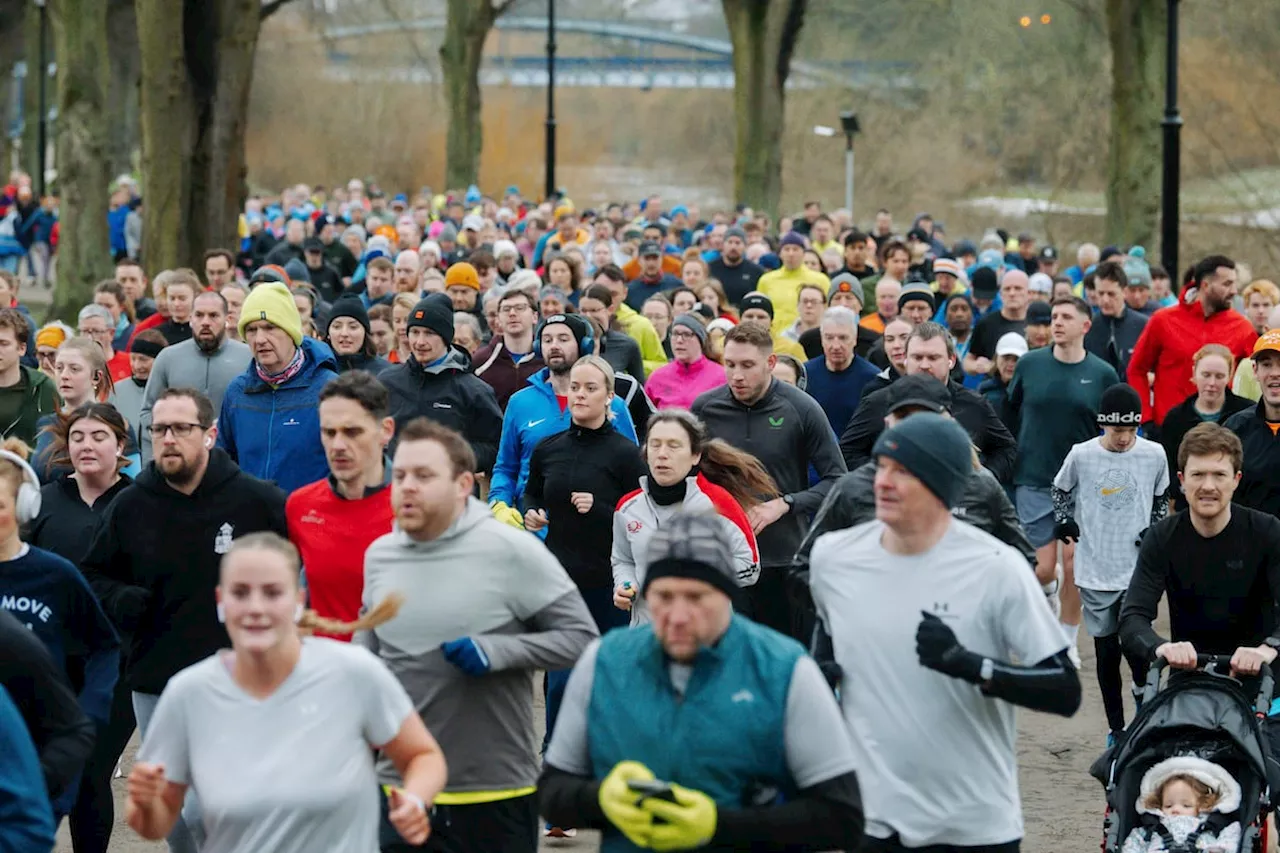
[
  {"x": 222, "y": 613},
  {"x": 297, "y": 613},
  {"x": 208, "y": 442}
]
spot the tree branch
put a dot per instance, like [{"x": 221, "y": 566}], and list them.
[
  {"x": 501, "y": 6},
  {"x": 270, "y": 8}
]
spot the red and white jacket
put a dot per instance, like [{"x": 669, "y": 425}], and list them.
[{"x": 637, "y": 517}]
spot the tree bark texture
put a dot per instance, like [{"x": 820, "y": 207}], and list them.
[
  {"x": 31, "y": 89},
  {"x": 197, "y": 71},
  {"x": 122, "y": 93},
  {"x": 80, "y": 35},
  {"x": 467, "y": 29},
  {"x": 1136, "y": 31},
  {"x": 763, "y": 33}
]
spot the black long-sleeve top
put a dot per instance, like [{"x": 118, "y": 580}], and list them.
[
  {"x": 1222, "y": 589},
  {"x": 600, "y": 461}
]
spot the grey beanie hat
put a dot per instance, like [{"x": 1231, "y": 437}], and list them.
[
  {"x": 693, "y": 324},
  {"x": 936, "y": 450},
  {"x": 694, "y": 546}
]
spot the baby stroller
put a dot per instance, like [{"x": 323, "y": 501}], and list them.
[{"x": 1205, "y": 713}]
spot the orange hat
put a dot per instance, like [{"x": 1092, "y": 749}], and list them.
[
  {"x": 51, "y": 335},
  {"x": 564, "y": 210},
  {"x": 462, "y": 274},
  {"x": 387, "y": 231},
  {"x": 1269, "y": 342}
]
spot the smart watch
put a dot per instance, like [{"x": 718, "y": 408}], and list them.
[
  {"x": 987, "y": 670},
  {"x": 789, "y": 501}
]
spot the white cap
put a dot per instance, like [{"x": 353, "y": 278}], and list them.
[
  {"x": 1011, "y": 343},
  {"x": 1040, "y": 283},
  {"x": 504, "y": 247}
]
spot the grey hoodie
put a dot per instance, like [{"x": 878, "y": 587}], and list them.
[
  {"x": 501, "y": 587},
  {"x": 185, "y": 365}
]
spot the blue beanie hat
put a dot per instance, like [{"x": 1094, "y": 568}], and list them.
[{"x": 936, "y": 450}]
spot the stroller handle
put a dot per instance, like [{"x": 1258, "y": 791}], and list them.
[{"x": 1211, "y": 664}]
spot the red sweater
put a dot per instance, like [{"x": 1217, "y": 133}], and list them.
[
  {"x": 1172, "y": 336},
  {"x": 332, "y": 534}
]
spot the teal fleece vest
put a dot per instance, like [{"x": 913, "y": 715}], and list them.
[{"x": 724, "y": 737}]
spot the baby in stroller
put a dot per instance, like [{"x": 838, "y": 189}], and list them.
[{"x": 1185, "y": 801}]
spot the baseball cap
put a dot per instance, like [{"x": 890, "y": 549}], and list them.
[
  {"x": 921, "y": 392},
  {"x": 313, "y": 244},
  {"x": 990, "y": 258},
  {"x": 649, "y": 249},
  {"x": 1039, "y": 314},
  {"x": 325, "y": 219},
  {"x": 1010, "y": 343},
  {"x": 1048, "y": 253},
  {"x": 1269, "y": 342},
  {"x": 1040, "y": 283}
]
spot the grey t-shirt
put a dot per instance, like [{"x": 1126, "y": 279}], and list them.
[
  {"x": 292, "y": 773},
  {"x": 817, "y": 745},
  {"x": 935, "y": 755}
]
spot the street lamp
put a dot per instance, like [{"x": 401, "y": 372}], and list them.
[
  {"x": 849, "y": 123},
  {"x": 551, "y": 98},
  {"x": 1172, "y": 124}
]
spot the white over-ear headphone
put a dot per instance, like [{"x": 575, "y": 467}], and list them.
[{"x": 28, "y": 504}]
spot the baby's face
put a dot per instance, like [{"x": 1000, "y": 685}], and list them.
[{"x": 1179, "y": 798}]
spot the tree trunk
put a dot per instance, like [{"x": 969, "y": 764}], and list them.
[
  {"x": 1136, "y": 31},
  {"x": 197, "y": 71},
  {"x": 122, "y": 93},
  {"x": 469, "y": 23},
  {"x": 763, "y": 33},
  {"x": 80, "y": 36},
  {"x": 31, "y": 92}
]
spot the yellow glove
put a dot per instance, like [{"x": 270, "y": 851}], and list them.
[
  {"x": 618, "y": 802},
  {"x": 686, "y": 824},
  {"x": 507, "y": 514}
]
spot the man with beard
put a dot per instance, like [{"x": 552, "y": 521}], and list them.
[
  {"x": 1171, "y": 338},
  {"x": 207, "y": 362},
  {"x": 735, "y": 273},
  {"x": 156, "y": 579},
  {"x": 541, "y": 409}
]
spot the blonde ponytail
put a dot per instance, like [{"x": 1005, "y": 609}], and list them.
[{"x": 383, "y": 612}]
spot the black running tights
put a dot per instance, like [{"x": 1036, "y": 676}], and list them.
[
  {"x": 93, "y": 816},
  {"x": 1109, "y": 680}
]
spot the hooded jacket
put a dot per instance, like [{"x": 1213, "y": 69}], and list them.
[
  {"x": 448, "y": 393},
  {"x": 787, "y": 431},
  {"x": 1260, "y": 486},
  {"x": 66, "y": 524},
  {"x": 274, "y": 432},
  {"x": 677, "y": 385},
  {"x": 36, "y": 398},
  {"x": 1125, "y": 329},
  {"x": 502, "y": 372},
  {"x": 359, "y": 361},
  {"x": 154, "y": 562},
  {"x": 533, "y": 414},
  {"x": 637, "y": 517}
]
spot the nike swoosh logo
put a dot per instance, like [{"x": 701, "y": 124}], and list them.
[
  {"x": 1106, "y": 493},
  {"x": 532, "y": 424}
]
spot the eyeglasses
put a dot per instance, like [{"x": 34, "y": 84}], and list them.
[
  {"x": 180, "y": 430},
  {"x": 514, "y": 309},
  {"x": 47, "y": 357},
  {"x": 94, "y": 332},
  {"x": 682, "y": 334}
]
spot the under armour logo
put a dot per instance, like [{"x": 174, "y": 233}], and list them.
[{"x": 743, "y": 696}]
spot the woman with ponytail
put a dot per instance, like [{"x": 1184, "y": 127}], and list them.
[
  {"x": 687, "y": 472},
  {"x": 276, "y": 735}
]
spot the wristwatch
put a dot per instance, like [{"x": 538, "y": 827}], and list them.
[
  {"x": 987, "y": 670},
  {"x": 789, "y": 501}
]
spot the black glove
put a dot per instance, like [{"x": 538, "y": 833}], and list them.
[
  {"x": 1137, "y": 542},
  {"x": 938, "y": 649},
  {"x": 1068, "y": 531}
]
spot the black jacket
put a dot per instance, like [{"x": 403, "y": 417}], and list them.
[
  {"x": 1178, "y": 422},
  {"x": 600, "y": 461},
  {"x": 63, "y": 735},
  {"x": 66, "y": 524},
  {"x": 984, "y": 504},
  {"x": 450, "y": 394},
  {"x": 787, "y": 431},
  {"x": 1260, "y": 486},
  {"x": 154, "y": 562},
  {"x": 994, "y": 441},
  {"x": 359, "y": 361},
  {"x": 737, "y": 281},
  {"x": 628, "y": 388},
  {"x": 1112, "y": 339},
  {"x": 327, "y": 281},
  {"x": 623, "y": 354},
  {"x": 283, "y": 252}
]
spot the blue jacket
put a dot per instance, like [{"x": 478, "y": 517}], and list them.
[
  {"x": 532, "y": 414},
  {"x": 26, "y": 819},
  {"x": 725, "y": 738},
  {"x": 274, "y": 433}
]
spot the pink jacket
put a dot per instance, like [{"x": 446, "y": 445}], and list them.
[{"x": 676, "y": 385}]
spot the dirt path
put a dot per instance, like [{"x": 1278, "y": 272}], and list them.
[{"x": 1061, "y": 803}]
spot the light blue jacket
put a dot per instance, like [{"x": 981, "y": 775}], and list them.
[{"x": 532, "y": 414}]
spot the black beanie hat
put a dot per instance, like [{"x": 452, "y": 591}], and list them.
[
  {"x": 936, "y": 450},
  {"x": 1120, "y": 406},
  {"x": 755, "y": 299},
  {"x": 435, "y": 313},
  {"x": 983, "y": 283},
  {"x": 917, "y": 294},
  {"x": 350, "y": 306}
]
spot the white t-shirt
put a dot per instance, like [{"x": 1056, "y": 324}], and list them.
[
  {"x": 936, "y": 759},
  {"x": 292, "y": 773},
  {"x": 1114, "y": 493}
]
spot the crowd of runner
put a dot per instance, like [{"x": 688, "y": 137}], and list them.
[{"x": 784, "y": 518}]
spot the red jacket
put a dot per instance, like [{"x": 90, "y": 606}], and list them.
[
  {"x": 1171, "y": 338},
  {"x": 332, "y": 534}
]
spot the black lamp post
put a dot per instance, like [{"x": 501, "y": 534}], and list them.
[
  {"x": 849, "y": 123},
  {"x": 42, "y": 134},
  {"x": 551, "y": 97},
  {"x": 1172, "y": 124}
]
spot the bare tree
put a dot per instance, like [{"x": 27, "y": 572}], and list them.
[
  {"x": 764, "y": 34},
  {"x": 80, "y": 39},
  {"x": 1136, "y": 31},
  {"x": 197, "y": 70},
  {"x": 468, "y": 25}
]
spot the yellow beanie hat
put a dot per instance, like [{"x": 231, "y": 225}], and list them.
[{"x": 272, "y": 301}]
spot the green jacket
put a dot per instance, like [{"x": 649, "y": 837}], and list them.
[{"x": 22, "y": 405}]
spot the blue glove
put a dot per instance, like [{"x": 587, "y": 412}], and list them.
[{"x": 466, "y": 654}]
